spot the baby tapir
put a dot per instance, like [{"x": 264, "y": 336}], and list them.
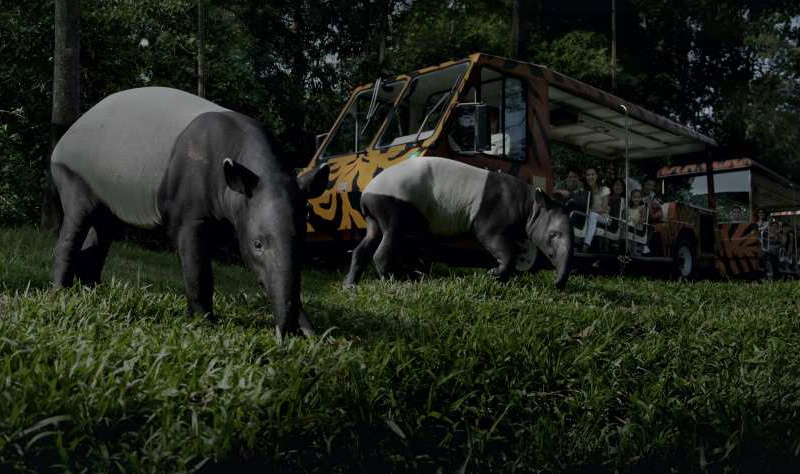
[
  {"x": 159, "y": 157},
  {"x": 449, "y": 198}
]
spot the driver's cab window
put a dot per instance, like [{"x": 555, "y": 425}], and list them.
[
  {"x": 505, "y": 100},
  {"x": 362, "y": 120},
  {"x": 422, "y": 106}
]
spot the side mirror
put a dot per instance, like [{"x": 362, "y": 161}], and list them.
[
  {"x": 471, "y": 133},
  {"x": 319, "y": 139}
]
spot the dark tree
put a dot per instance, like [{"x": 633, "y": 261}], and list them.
[
  {"x": 201, "y": 40},
  {"x": 66, "y": 94},
  {"x": 520, "y": 29}
]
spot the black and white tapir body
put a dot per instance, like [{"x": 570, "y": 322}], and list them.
[
  {"x": 449, "y": 198},
  {"x": 159, "y": 157}
]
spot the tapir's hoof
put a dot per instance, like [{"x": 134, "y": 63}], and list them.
[
  {"x": 348, "y": 285},
  {"x": 212, "y": 318},
  {"x": 498, "y": 275}
]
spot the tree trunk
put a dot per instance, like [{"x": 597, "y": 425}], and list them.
[
  {"x": 66, "y": 95},
  {"x": 201, "y": 60},
  {"x": 385, "y": 26},
  {"x": 520, "y": 33},
  {"x": 613, "y": 45}
]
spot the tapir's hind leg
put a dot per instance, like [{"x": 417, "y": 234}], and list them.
[
  {"x": 95, "y": 248},
  {"x": 398, "y": 220},
  {"x": 79, "y": 205},
  {"x": 363, "y": 252}
]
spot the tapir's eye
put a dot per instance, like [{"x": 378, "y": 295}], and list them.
[
  {"x": 258, "y": 246},
  {"x": 553, "y": 235}
]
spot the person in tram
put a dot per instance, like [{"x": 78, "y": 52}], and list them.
[
  {"x": 654, "y": 199},
  {"x": 612, "y": 176},
  {"x": 787, "y": 238},
  {"x": 774, "y": 236},
  {"x": 636, "y": 215},
  {"x": 636, "y": 208},
  {"x": 761, "y": 219},
  {"x": 598, "y": 212},
  {"x": 571, "y": 183},
  {"x": 736, "y": 214},
  {"x": 616, "y": 198},
  {"x": 497, "y": 135},
  {"x": 789, "y": 244}
]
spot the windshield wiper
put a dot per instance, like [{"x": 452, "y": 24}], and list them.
[
  {"x": 373, "y": 105},
  {"x": 427, "y": 116},
  {"x": 422, "y": 125}
]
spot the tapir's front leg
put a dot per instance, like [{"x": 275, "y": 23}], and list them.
[
  {"x": 196, "y": 265},
  {"x": 502, "y": 250}
]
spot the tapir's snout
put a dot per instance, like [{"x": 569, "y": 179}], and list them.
[{"x": 562, "y": 260}]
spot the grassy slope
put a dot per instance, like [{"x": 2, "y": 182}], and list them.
[{"x": 454, "y": 371}]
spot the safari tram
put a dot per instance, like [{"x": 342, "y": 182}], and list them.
[{"x": 504, "y": 115}]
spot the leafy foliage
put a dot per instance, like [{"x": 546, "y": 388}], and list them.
[{"x": 729, "y": 68}]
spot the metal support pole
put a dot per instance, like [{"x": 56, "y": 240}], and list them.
[
  {"x": 627, "y": 178},
  {"x": 794, "y": 222}
]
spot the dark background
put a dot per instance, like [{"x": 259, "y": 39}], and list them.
[{"x": 729, "y": 68}]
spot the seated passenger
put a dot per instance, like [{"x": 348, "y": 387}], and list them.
[
  {"x": 636, "y": 208},
  {"x": 636, "y": 217},
  {"x": 774, "y": 236},
  {"x": 761, "y": 219},
  {"x": 789, "y": 245},
  {"x": 736, "y": 214},
  {"x": 570, "y": 185},
  {"x": 462, "y": 137},
  {"x": 614, "y": 200},
  {"x": 598, "y": 213},
  {"x": 654, "y": 199},
  {"x": 498, "y": 137},
  {"x": 649, "y": 190}
]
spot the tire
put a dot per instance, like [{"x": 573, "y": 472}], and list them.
[{"x": 684, "y": 262}]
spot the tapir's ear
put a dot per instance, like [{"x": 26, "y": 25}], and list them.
[
  {"x": 543, "y": 199},
  {"x": 239, "y": 178},
  {"x": 314, "y": 183}
]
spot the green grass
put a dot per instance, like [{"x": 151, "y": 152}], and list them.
[{"x": 454, "y": 372}]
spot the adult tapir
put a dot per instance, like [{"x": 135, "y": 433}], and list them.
[
  {"x": 160, "y": 157},
  {"x": 444, "y": 197}
]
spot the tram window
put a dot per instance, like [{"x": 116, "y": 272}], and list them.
[
  {"x": 507, "y": 107},
  {"x": 423, "y": 104},
  {"x": 732, "y": 190}
]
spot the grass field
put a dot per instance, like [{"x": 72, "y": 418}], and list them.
[{"x": 456, "y": 372}]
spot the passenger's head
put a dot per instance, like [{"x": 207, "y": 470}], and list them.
[
  {"x": 611, "y": 173},
  {"x": 649, "y": 186},
  {"x": 591, "y": 176},
  {"x": 736, "y": 213},
  {"x": 618, "y": 188},
  {"x": 573, "y": 179},
  {"x": 761, "y": 215},
  {"x": 636, "y": 198}
]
